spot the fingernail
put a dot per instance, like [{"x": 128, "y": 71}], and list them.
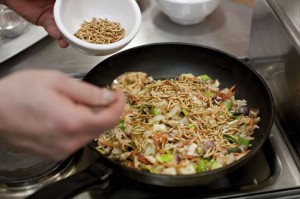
[{"x": 108, "y": 96}]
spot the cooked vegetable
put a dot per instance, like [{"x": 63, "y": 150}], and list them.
[{"x": 179, "y": 126}]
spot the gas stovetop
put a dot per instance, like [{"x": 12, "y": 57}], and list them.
[{"x": 271, "y": 173}]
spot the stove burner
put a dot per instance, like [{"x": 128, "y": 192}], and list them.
[{"x": 22, "y": 174}]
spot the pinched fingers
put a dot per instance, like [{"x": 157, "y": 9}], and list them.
[{"x": 85, "y": 93}]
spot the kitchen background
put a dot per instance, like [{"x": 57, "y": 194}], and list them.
[{"x": 263, "y": 34}]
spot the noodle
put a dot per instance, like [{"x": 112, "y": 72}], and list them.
[
  {"x": 100, "y": 31},
  {"x": 179, "y": 126}
]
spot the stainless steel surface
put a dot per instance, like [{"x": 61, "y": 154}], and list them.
[
  {"x": 281, "y": 41},
  {"x": 227, "y": 28},
  {"x": 10, "y": 47}
]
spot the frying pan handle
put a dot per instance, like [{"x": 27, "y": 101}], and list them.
[{"x": 95, "y": 174}]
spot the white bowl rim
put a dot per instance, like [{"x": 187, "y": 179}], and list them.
[
  {"x": 188, "y": 1},
  {"x": 84, "y": 44}
]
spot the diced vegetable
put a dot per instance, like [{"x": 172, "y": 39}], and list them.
[
  {"x": 204, "y": 77},
  {"x": 228, "y": 104},
  {"x": 100, "y": 150},
  {"x": 243, "y": 141},
  {"x": 202, "y": 165},
  {"x": 215, "y": 164},
  {"x": 217, "y": 83},
  {"x": 148, "y": 168},
  {"x": 253, "y": 112},
  {"x": 122, "y": 125},
  {"x": 150, "y": 149},
  {"x": 230, "y": 138},
  {"x": 185, "y": 111},
  {"x": 144, "y": 107},
  {"x": 188, "y": 75},
  {"x": 187, "y": 170},
  {"x": 233, "y": 150},
  {"x": 155, "y": 111},
  {"x": 208, "y": 93},
  {"x": 164, "y": 157},
  {"x": 169, "y": 171},
  {"x": 191, "y": 126}
]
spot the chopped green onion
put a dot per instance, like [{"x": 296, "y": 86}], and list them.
[
  {"x": 228, "y": 104},
  {"x": 233, "y": 150},
  {"x": 144, "y": 107},
  {"x": 164, "y": 157},
  {"x": 122, "y": 125},
  {"x": 185, "y": 111},
  {"x": 229, "y": 138},
  {"x": 155, "y": 111},
  {"x": 191, "y": 126}
]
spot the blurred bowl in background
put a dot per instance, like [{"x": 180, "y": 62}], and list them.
[
  {"x": 69, "y": 15},
  {"x": 187, "y": 12}
]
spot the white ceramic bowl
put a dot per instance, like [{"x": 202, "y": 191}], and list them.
[
  {"x": 70, "y": 14},
  {"x": 187, "y": 12}
]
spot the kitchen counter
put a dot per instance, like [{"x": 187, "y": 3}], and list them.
[{"x": 227, "y": 29}]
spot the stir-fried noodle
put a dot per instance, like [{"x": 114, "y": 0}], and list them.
[
  {"x": 100, "y": 31},
  {"x": 185, "y": 125}
]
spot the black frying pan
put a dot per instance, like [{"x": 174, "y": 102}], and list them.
[{"x": 166, "y": 60}]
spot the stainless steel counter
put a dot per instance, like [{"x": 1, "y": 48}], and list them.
[{"x": 227, "y": 29}]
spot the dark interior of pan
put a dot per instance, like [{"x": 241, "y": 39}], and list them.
[{"x": 165, "y": 60}]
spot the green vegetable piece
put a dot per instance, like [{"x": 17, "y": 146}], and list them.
[
  {"x": 144, "y": 107},
  {"x": 188, "y": 75},
  {"x": 122, "y": 125},
  {"x": 155, "y": 111},
  {"x": 191, "y": 126},
  {"x": 164, "y": 157},
  {"x": 233, "y": 150},
  {"x": 230, "y": 138},
  {"x": 208, "y": 93},
  {"x": 203, "y": 163},
  {"x": 204, "y": 77},
  {"x": 100, "y": 150},
  {"x": 228, "y": 104},
  {"x": 243, "y": 141},
  {"x": 185, "y": 112},
  {"x": 148, "y": 168},
  {"x": 215, "y": 165},
  {"x": 237, "y": 117}
]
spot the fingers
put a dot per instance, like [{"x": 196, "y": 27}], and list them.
[
  {"x": 47, "y": 21},
  {"x": 63, "y": 43},
  {"x": 85, "y": 93}
]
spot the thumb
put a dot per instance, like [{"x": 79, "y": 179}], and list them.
[{"x": 88, "y": 94}]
